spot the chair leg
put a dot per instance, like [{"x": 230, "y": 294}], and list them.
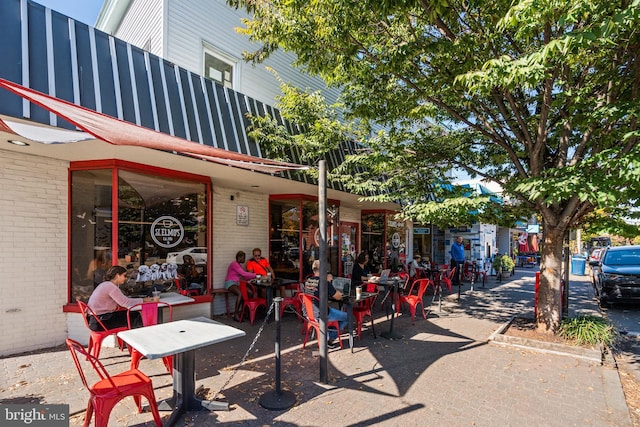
[
  {"x": 88, "y": 414},
  {"x": 136, "y": 356},
  {"x": 153, "y": 405}
]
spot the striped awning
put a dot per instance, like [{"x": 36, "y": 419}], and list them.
[{"x": 118, "y": 132}]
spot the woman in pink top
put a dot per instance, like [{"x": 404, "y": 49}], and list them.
[
  {"x": 235, "y": 273},
  {"x": 107, "y": 299}
]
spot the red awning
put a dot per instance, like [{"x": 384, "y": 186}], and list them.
[{"x": 119, "y": 132}]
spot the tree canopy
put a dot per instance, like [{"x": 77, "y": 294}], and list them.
[{"x": 539, "y": 96}]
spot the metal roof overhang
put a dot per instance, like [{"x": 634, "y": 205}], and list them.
[{"x": 104, "y": 136}]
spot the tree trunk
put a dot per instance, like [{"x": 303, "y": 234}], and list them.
[{"x": 549, "y": 293}]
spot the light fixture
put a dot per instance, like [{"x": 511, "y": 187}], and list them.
[{"x": 19, "y": 143}]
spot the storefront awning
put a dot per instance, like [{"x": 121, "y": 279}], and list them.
[{"x": 118, "y": 132}]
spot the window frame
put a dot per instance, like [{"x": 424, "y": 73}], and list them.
[
  {"x": 116, "y": 165},
  {"x": 232, "y": 61}
]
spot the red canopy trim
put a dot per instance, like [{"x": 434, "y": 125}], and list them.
[{"x": 119, "y": 132}]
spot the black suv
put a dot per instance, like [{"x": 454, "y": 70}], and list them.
[{"x": 617, "y": 275}]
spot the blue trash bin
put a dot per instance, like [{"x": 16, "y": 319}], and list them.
[{"x": 578, "y": 263}]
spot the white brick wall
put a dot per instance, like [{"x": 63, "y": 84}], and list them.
[
  {"x": 229, "y": 238},
  {"x": 33, "y": 243}
]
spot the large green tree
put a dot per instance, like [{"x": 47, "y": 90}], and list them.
[{"x": 540, "y": 96}]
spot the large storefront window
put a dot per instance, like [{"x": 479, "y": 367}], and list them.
[
  {"x": 160, "y": 219},
  {"x": 295, "y": 237},
  {"x": 384, "y": 240}
]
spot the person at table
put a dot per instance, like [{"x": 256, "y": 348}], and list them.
[
  {"x": 312, "y": 286},
  {"x": 360, "y": 271},
  {"x": 190, "y": 274},
  {"x": 415, "y": 266},
  {"x": 107, "y": 301},
  {"x": 261, "y": 266},
  {"x": 457, "y": 259},
  {"x": 235, "y": 273}
]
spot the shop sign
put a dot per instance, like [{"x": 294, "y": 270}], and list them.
[
  {"x": 395, "y": 240},
  {"x": 167, "y": 232},
  {"x": 421, "y": 230},
  {"x": 242, "y": 215}
]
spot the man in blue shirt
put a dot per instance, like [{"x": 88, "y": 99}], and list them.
[{"x": 457, "y": 259}]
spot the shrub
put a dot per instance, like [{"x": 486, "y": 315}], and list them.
[{"x": 588, "y": 329}]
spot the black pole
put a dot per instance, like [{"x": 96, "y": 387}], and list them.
[
  {"x": 323, "y": 294},
  {"x": 277, "y": 400}
]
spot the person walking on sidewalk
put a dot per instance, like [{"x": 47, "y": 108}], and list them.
[{"x": 457, "y": 259}]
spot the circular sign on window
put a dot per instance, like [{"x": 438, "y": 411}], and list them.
[
  {"x": 395, "y": 240},
  {"x": 167, "y": 231}
]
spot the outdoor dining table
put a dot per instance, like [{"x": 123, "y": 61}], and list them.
[
  {"x": 349, "y": 301},
  {"x": 389, "y": 284},
  {"x": 181, "y": 338},
  {"x": 270, "y": 285}
]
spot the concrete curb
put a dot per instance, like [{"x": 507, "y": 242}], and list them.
[{"x": 499, "y": 338}]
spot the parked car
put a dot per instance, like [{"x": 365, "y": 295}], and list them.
[
  {"x": 199, "y": 255},
  {"x": 617, "y": 274},
  {"x": 594, "y": 257}
]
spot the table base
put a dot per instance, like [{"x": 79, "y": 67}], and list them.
[
  {"x": 184, "y": 398},
  {"x": 277, "y": 401}
]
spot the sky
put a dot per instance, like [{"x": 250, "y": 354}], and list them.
[{"x": 85, "y": 11}]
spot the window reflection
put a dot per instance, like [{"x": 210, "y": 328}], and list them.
[
  {"x": 295, "y": 237},
  {"x": 160, "y": 220}
]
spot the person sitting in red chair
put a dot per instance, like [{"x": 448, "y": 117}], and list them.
[
  {"x": 260, "y": 266},
  {"x": 107, "y": 299}
]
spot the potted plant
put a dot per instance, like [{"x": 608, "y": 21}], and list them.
[{"x": 503, "y": 264}]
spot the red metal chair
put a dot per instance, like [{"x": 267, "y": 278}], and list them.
[
  {"x": 312, "y": 322},
  {"x": 480, "y": 272},
  {"x": 413, "y": 300},
  {"x": 252, "y": 304},
  {"x": 362, "y": 310},
  {"x": 149, "y": 313},
  {"x": 447, "y": 279},
  {"x": 111, "y": 389},
  {"x": 292, "y": 301},
  {"x": 96, "y": 337},
  {"x": 183, "y": 287}
]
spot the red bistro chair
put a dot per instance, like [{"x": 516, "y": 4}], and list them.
[
  {"x": 362, "y": 310},
  {"x": 96, "y": 337},
  {"x": 414, "y": 300},
  {"x": 110, "y": 390},
  {"x": 312, "y": 322},
  {"x": 292, "y": 301},
  {"x": 149, "y": 313},
  {"x": 252, "y": 304},
  {"x": 183, "y": 287},
  {"x": 447, "y": 279}
]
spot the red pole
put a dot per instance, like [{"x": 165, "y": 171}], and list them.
[{"x": 535, "y": 298}]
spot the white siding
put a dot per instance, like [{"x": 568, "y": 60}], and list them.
[
  {"x": 229, "y": 237},
  {"x": 178, "y": 30},
  {"x": 33, "y": 243},
  {"x": 193, "y": 23},
  {"x": 142, "y": 25}
]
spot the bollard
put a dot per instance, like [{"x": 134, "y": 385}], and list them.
[{"x": 277, "y": 400}]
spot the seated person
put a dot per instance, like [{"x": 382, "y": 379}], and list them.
[
  {"x": 415, "y": 266},
  {"x": 107, "y": 300},
  {"x": 311, "y": 286},
  {"x": 360, "y": 270},
  {"x": 262, "y": 267},
  {"x": 235, "y": 273},
  {"x": 190, "y": 274}
]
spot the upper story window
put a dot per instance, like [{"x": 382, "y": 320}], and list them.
[{"x": 219, "y": 66}]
